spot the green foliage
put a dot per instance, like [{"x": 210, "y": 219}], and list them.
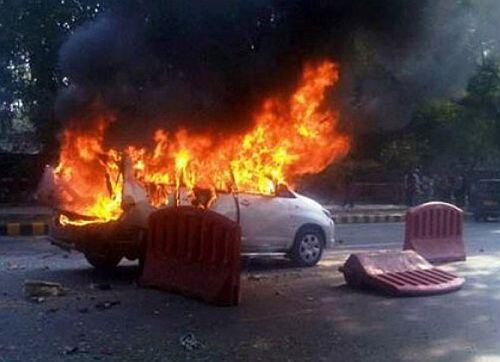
[
  {"x": 483, "y": 91},
  {"x": 31, "y": 33},
  {"x": 453, "y": 135},
  {"x": 404, "y": 153}
]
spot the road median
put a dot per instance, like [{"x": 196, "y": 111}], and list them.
[{"x": 24, "y": 228}]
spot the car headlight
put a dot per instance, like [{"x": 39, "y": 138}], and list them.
[{"x": 327, "y": 213}]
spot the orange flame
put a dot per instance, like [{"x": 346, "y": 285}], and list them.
[{"x": 290, "y": 137}]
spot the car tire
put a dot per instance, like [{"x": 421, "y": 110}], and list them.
[
  {"x": 103, "y": 262},
  {"x": 307, "y": 247}
]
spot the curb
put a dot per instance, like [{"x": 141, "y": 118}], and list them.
[
  {"x": 35, "y": 228},
  {"x": 367, "y": 219},
  {"x": 379, "y": 218}
]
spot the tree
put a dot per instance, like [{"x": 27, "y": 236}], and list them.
[
  {"x": 454, "y": 135},
  {"x": 404, "y": 153},
  {"x": 31, "y": 33}
]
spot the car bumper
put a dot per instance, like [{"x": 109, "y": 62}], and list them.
[
  {"x": 330, "y": 243},
  {"x": 330, "y": 235}
]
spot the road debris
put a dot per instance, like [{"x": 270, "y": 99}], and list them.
[
  {"x": 255, "y": 277},
  {"x": 13, "y": 266},
  {"x": 70, "y": 350},
  {"x": 40, "y": 288},
  {"x": 190, "y": 343},
  {"x": 82, "y": 347},
  {"x": 106, "y": 304}
]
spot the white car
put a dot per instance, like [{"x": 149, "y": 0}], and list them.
[{"x": 284, "y": 223}]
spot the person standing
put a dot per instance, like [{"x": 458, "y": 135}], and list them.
[
  {"x": 349, "y": 191},
  {"x": 413, "y": 187},
  {"x": 409, "y": 185}
]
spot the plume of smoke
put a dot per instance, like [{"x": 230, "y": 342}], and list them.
[{"x": 207, "y": 64}]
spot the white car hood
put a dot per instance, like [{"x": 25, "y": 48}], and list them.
[{"x": 308, "y": 202}]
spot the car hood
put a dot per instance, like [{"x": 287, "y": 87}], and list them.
[{"x": 308, "y": 202}]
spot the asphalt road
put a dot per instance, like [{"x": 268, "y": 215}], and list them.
[{"x": 285, "y": 314}]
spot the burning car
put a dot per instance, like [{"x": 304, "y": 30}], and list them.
[
  {"x": 103, "y": 196},
  {"x": 286, "y": 223}
]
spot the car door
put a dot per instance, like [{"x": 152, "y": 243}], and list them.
[{"x": 265, "y": 222}]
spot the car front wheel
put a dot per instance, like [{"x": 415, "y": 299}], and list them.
[
  {"x": 307, "y": 247},
  {"x": 103, "y": 262}
]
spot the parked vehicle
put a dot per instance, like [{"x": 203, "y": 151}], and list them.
[{"x": 485, "y": 199}]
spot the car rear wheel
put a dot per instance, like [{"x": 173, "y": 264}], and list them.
[
  {"x": 307, "y": 247},
  {"x": 103, "y": 262}
]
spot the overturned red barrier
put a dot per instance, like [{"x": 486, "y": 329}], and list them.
[
  {"x": 435, "y": 231},
  {"x": 399, "y": 273},
  {"x": 195, "y": 253}
]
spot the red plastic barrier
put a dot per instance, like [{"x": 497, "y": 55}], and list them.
[
  {"x": 400, "y": 273},
  {"x": 194, "y": 252},
  {"x": 435, "y": 231}
]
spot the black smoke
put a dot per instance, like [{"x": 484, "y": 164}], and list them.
[{"x": 207, "y": 64}]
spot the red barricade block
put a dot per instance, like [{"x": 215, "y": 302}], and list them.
[
  {"x": 400, "y": 273},
  {"x": 435, "y": 231},
  {"x": 195, "y": 253}
]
